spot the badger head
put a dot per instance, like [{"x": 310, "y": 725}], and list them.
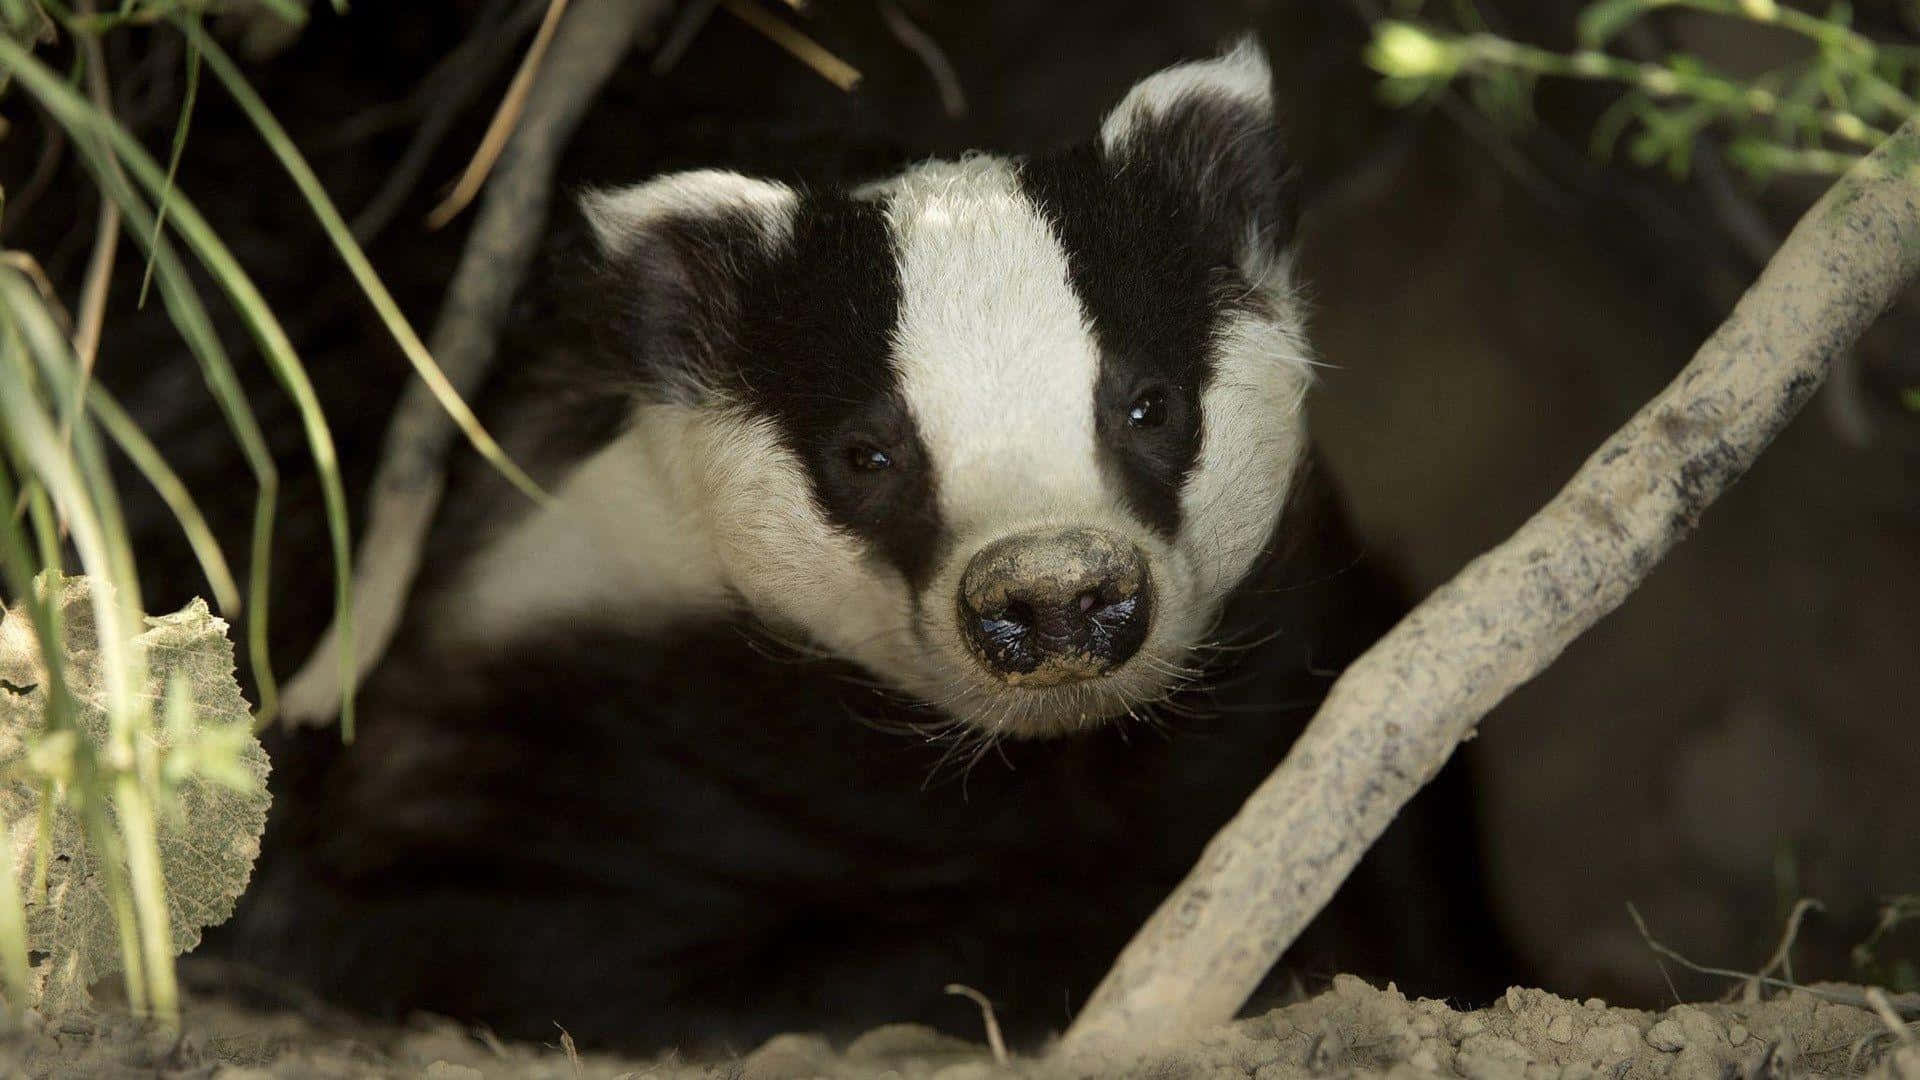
[{"x": 1004, "y": 432}]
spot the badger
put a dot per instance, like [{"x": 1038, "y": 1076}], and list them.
[{"x": 933, "y": 565}]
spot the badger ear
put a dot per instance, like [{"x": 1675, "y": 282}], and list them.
[
  {"x": 623, "y": 217},
  {"x": 676, "y": 253},
  {"x": 1207, "y": 129}
]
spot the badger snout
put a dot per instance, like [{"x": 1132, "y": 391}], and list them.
[{"x": 1056, "y": 607}]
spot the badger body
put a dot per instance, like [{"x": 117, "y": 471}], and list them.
[{"x": 933, "y": 567}]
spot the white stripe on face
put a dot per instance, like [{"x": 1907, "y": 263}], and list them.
[
  {"x": 1252, "y": 441},
  {"x": 993, "y": 349}
]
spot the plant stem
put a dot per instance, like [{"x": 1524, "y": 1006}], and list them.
[{"x": 1481, "y": 53}]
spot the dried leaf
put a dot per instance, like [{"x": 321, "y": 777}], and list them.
[{"x": 213, "y": 812}]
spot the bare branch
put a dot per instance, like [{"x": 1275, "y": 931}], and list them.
[
  {"x": 590, "y": 43},
  {"x": 1391, "y": 721}
]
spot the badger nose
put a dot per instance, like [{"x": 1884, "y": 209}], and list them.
[{"x": 1050, "y": 608}]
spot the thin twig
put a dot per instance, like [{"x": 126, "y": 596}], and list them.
[
  {"x": 92, "y": 312},
  {"x": 1739, "y": 215},
  {"x": 1782, "y": 958},
  {"x": 1481, "y": 130},
  {"x": 512, "y": 218},
  {"x": 502, "y": 124},
  {"x": 1391, "y": 721},
  {"x": 1858, "y": 1000},
  {"x": 1882, "y": 1007},
  {"x": 444, "y": 95},
  {"x": 800, "y": 46}
]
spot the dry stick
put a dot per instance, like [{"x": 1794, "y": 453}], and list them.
[
  {"x": 1782, "y": 958},
  {"x": 505, "y": 120},
  {"x": 1392, "y": 720},
  {"x": 798, "y": 45},
  {"x": 589, "y": 45},
  {"x": 442, "y": 97},
  {"x": 92, "y": 313}
]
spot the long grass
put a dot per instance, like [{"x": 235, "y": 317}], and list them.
[{"x": 59, "y": 431}]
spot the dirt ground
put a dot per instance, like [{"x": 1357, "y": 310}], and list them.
[{"x": 1351, "y": 1030}]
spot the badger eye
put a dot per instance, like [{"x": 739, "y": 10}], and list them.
[
  {"x": 1148, "y": 410},
  {"x": 866, "y": 457}
]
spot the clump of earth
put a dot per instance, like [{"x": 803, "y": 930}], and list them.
[{"x": 1353, "y": 1030}]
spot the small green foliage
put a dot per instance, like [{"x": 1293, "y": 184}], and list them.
[
  {"x": 1818, "y": 114},
  {"x": 199, "y": 752},
  {"x": 1910, "y": 397}
]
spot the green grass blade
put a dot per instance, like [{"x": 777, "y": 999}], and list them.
[
  {"x": 77, "y": 115},
  {"x": 13, "y": 936},
  {"x": 341, "y": 234},
  {"x": 140, "y": 450},
  {"x": 78, "y": 479},
  {"x": 181, "y": 298},
  {"x": 17, "y": 570},
  {"x": 83, "y": 488},
  {"x": 134, "y": 808},
  {"x": 46, "y": 529},
  {"x": 33, "y": 439},
  {"x": 187, "y": 100}
]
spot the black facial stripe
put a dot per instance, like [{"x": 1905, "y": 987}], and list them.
[
  {"x": 1152, "y": 281},
  {"x": 811, "y": 350}
]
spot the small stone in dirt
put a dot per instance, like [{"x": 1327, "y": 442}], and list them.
[
  {"x": 1493, "y": 1057},
  {"x": 1737, "y": 1034},
  {"x": 1560, "y": 1028},
  {"x": 1667, "y": 1035},
  {"x": 447, "y": 1070},
  {"x": 1610, "y": 1043},
  {"x": 1596, "y": 1004}
]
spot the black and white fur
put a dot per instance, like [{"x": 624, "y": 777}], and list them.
[
  {"x": 987, "y": 324},
  {"x": 673, "y": 759}
]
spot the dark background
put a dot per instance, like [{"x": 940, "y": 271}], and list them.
[{"x": 1741, "y": 733}]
